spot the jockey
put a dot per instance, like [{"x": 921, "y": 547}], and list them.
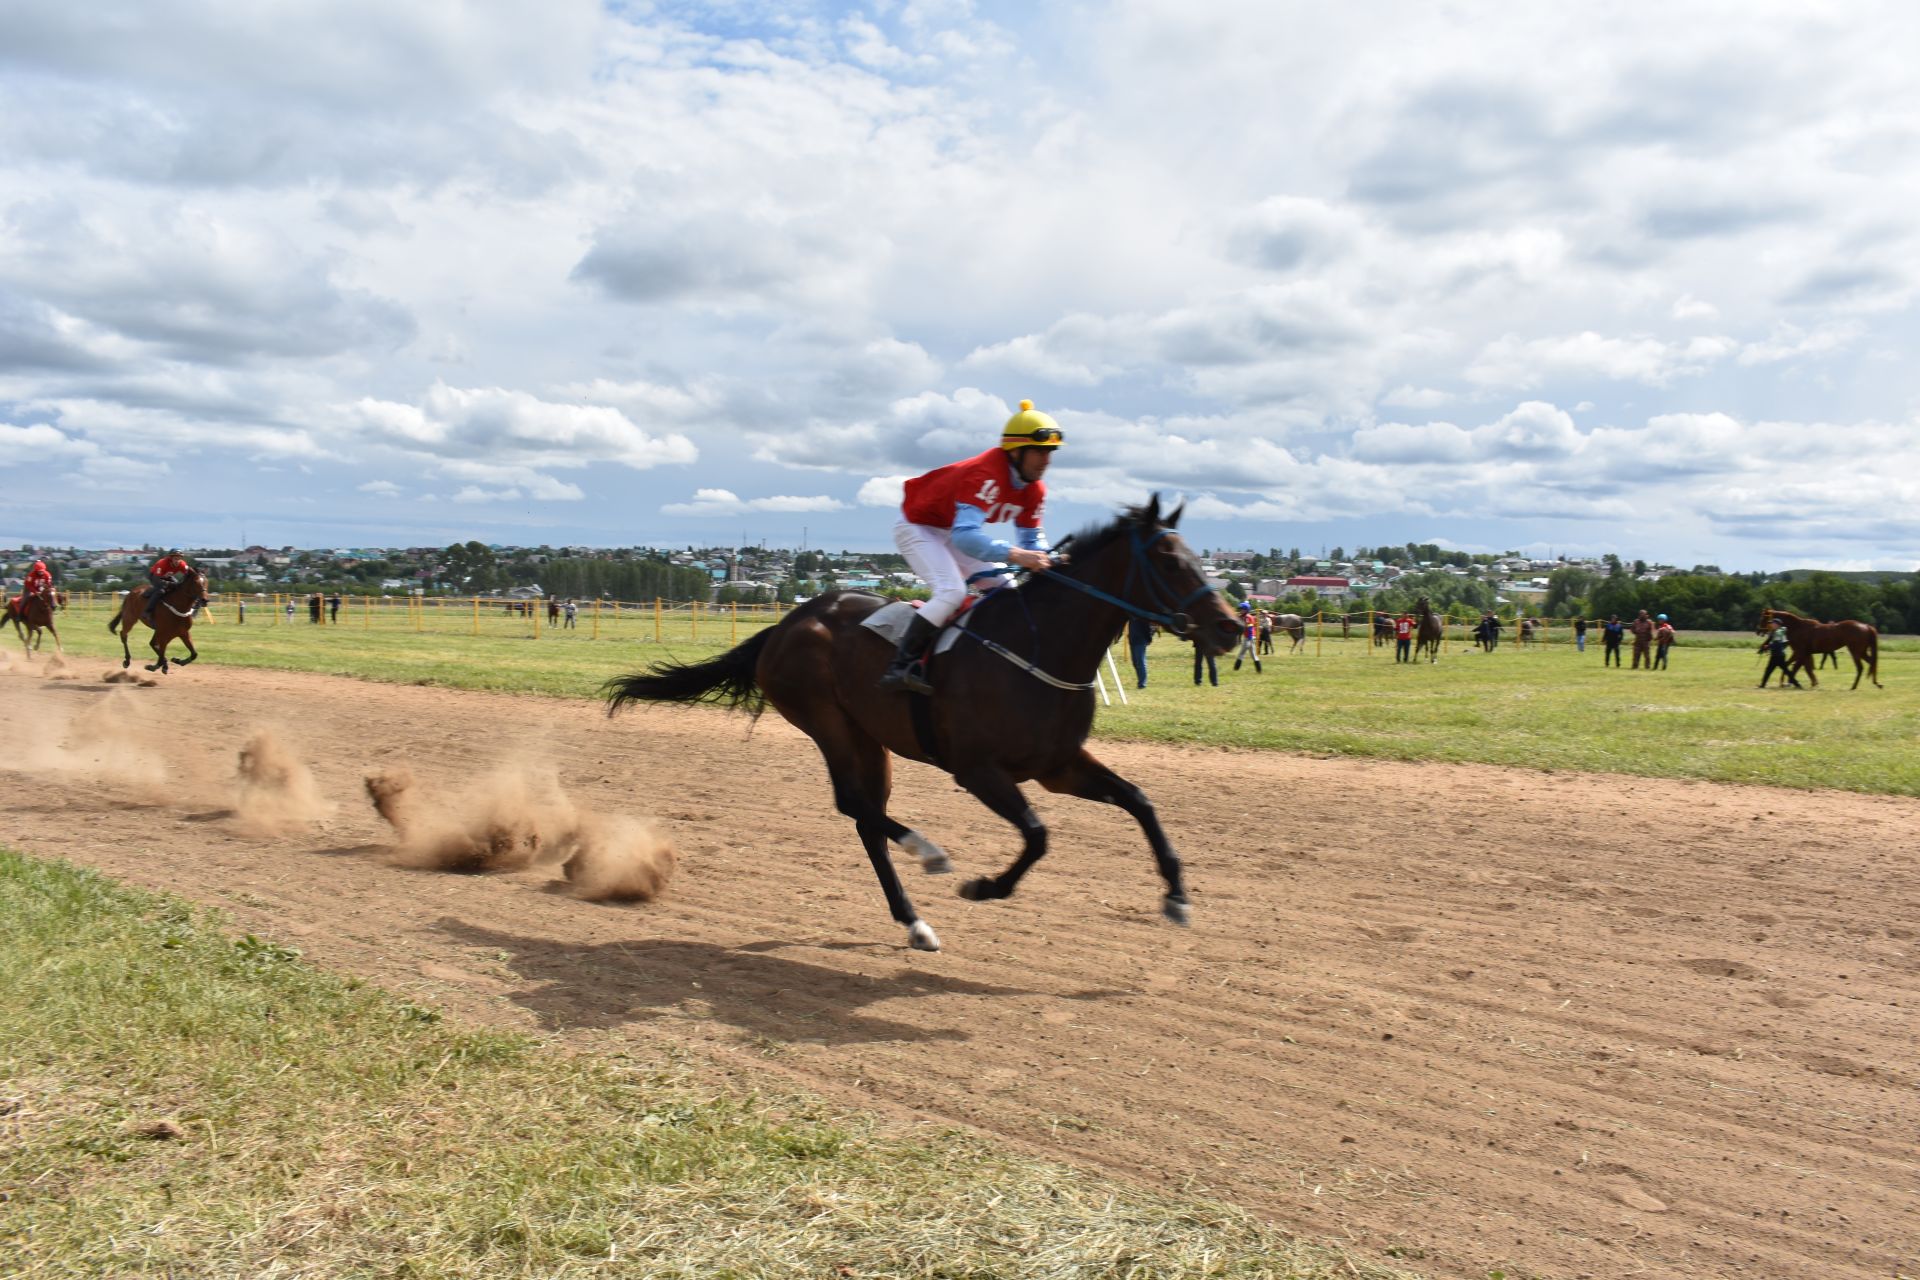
[
  {"x": 39, "y": 582},
  {"x": 160, "y": 579},
  {"x": 942, "y": 529}
]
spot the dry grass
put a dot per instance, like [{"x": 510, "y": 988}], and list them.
[{"x": 177, "y": 1102}]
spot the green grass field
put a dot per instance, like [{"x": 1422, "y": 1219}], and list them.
[
  {"x": 1545, "y": 707},
  {"x": 178, "y": 1102}
]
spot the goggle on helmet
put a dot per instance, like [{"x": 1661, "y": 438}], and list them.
[{"x": 1031, "y": 428}]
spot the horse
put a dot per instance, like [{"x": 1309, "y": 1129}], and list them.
[
  {"x": 31, "y": 615},
  {"x": 1382, "y": 630},
  {"x": 1294, "y": 625},
  {"x": 1809, "y": 637},
  {"x": 172, "y": 619},
  {"x": 1527, "y": 626},
  {"x": 1013, "y": 700},
  {"x": 1431, "y": 633}
]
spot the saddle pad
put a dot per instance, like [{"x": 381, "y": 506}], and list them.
[{"x": 890, "y": 623}]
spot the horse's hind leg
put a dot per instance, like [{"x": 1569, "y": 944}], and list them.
[
  {"x": 1087, "y": 778},
  {"x": 861, "y": 783}
]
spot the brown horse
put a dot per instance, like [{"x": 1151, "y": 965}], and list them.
[
  {"x": 31, "y": 615},
  {"x": 1809, "y": 637},
  {"x": 1430, "y": 633},
  {"x": 1012, "y": 702},
  {"x": 1295, "y": 626},
  {"x": 172, "y": 619}
]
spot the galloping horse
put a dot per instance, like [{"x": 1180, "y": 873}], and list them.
[
  {"x": 1431, "y": 633},
  {"x": 33, "y": 615},
  {"x": 1808, "y": 636},
  {"x": 1012, "y": 701},
  {"x": 172, "y": 619}
]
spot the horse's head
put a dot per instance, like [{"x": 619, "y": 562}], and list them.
[
  {"x": 1142, "y": 560},
  {"x": 1765, "y": 624}
]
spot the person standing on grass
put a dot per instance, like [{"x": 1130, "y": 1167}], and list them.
[
  {"x": 1579, "y": 635},
  {"x": 240, "y": 612},
  {"x": 1775, "y": 647},
  {"x": 1249, "y": 638},
  {"x": 1139, "y": 636},
  {"x": 1213, "y": 671},
  {"x": 1642, "y": 628},
  {"x": 1662, "y": 641},
  {"x": 1610, "y": 637},
  {"x": 1266, "y": 633},
  {"x": 572, "y": 612},
  {"x": 1403, "y": 638}
]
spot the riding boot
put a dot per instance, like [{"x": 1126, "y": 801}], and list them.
[{"x": 906, "y": 670}]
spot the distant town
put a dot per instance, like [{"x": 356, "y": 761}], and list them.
[{"x": 1383, "y": 577}]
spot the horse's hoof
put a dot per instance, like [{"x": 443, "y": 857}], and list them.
[
  {"x": 981, "y": 889},
  {"x": 921, "y": 937},
  {"x": 1176, "y": 910},
  {"x": 933, "y": 859}
]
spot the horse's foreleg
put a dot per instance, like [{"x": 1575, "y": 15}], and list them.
[
  {"x": 1087, "y": 778},
  {"x": 159, "y": 647},
  {"x": 186, "y": 638},
  {"x": 933, "y": 859},
  {"x": 1001, "y": 794}
]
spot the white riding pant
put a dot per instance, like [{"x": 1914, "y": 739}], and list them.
[{"x": 945, "y": 568}]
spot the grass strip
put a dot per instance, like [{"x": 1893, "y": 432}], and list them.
[
  {"x": 177, "y": 1101},
  {"x": 1544, "y": 706}
]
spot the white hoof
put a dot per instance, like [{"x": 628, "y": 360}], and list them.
[
  {"x": 922, "y": 936},
  {"x": 933, "y": 859},
  {"x": 1178, "y": 912}
]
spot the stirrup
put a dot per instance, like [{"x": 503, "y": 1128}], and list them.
[{"x": 911, "y": 676}]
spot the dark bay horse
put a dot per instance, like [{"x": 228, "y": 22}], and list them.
[
  {"x": 32, "y": 615},
  {"x": 1382, "y": 630},
  {"x": 1429, "y": 634},
  {"x": 172, "y": 619},
  {"x": 1012, "y": 702},
  {"x": 1809, "y": 637}
]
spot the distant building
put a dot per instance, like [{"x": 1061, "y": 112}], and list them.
[{"x": 1329, "y": 587}]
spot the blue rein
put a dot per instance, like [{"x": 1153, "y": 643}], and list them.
[{"x": 1171, "y": 614}]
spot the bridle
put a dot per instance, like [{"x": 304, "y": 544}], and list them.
[{"x": 1171, "y": 613}]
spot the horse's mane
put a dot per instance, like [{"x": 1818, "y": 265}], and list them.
[{"x": 1093, "y": 539}]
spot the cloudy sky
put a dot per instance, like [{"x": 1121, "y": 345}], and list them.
[{"x": 1636, "y": 277}]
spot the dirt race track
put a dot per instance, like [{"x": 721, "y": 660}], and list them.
[{"x": 1456, "y": 1018}]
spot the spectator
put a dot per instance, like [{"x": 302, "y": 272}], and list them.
[
  {"x": 1139, "y": 636},
  {"x": 1403, "y": 638},
  {"x": 1642, "y": 628},
  {"x": 289, "y": 610},
  {"x": 1775, "y": 647},
  {"x": 1579, "y": 635},
  {"x": 1662, "y": 641},
  {"x": 1213, "y": 671},
  {"x": 1266, "y": 633},
  {"x": 1610, "y": 637},
  {"x": 571, "y": 611},
  {"x": 240, "y": 612},
  {"x": 1493, "y": 632},
  {"x": 313, "y": 608},
  {"x": 333, "y": 608}
]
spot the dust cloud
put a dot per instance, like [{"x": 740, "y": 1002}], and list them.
[
  {"x": 277, "y": 791},
  {"x": 514, "y": 821}
]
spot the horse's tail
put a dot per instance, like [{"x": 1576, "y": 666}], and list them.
[{"x": 726, "y": 680}]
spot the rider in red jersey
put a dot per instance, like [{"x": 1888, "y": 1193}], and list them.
[
  {"x": 942, "y": 529},
  {"x": 160, "y": 579}
]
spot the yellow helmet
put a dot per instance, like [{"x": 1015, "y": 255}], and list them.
[{"x": 1030, "y": 428}]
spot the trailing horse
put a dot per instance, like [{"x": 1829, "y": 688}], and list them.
[
  {"x": 1012, "y": 702},
  {"x": 31, "y": 615},
  {"x": 1431, "y": 632},
  {"x": 1295, "y": 626},
  {"x": 1809, "y": 637},
  {"x": 172, "y": 619}
]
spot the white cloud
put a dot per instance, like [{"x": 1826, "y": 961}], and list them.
[
  {"x": 381, "y": 488},
  {"x": 723, "y": 502}
]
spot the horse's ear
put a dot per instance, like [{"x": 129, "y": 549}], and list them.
[
  {"x": 1151, "y": 513},
  {"x": 1173, "y": 517}
]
